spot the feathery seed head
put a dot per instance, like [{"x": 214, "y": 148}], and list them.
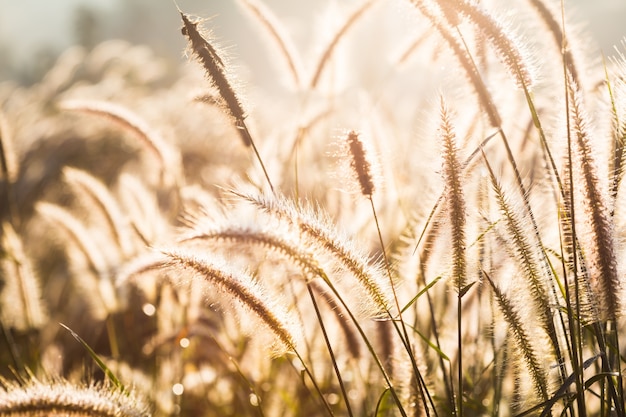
[
  {"x": 456, "y": 201},
  {"x": 19, "y": 286},
  {"x": 59, "y": 397},
  {"x": 216, "y": 72},
  {"x": 605, "y": 281},
  {"x": 241, "y": 287},
  {"x": 321, "y": 234},
  {"x": 9, "y": 164},
  {"x": 360, "y": 163},
  {"x": 506, "y": 45}
]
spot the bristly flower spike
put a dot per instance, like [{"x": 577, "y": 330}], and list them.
[
  {"x": 454, "y": 190},
  {"x": 216, "y": 71},
  {"x": 359, "y": 163}
]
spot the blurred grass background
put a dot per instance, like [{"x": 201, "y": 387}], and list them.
[{"x": 34, "y": 32}]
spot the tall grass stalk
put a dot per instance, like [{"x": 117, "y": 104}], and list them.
[
  {"x": 214, "y": 66},
  {"x": 457, "y": 218}
]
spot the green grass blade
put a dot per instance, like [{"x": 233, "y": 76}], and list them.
[{"x": 116, "y": 382}]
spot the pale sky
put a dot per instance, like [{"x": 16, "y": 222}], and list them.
[{"x": 28, "y": 24}]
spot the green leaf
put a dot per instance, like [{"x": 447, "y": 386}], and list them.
[
  {"x": 419, "y": 294},
  {"x": 97, "y": 359},
  {"x": 466, "y": 289},
  {"x": 383, "y": 404},
  {"x": 432, "y": 345}
]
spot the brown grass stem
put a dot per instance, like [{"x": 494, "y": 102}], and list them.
[{"x": 330, "y": 350}]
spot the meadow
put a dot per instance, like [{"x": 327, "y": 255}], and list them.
[{"x": 421, "y": 215}]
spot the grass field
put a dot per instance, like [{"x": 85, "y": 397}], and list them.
[{"x": 419, "y": 216}]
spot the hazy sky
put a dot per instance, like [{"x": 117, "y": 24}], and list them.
[{"x": 29, "y": 25}]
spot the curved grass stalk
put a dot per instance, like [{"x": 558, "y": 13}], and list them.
[
  {"x": 79, "y": 235},
  {"x": 240, "y": 286},
  {"x": 266, "y": 19},
  {"x": 306, "y": 261},
  {"x": 244, "y": 288},
  {"x": 466, "y": 62},
  {"x": 499, "y": 37},
  {"x": 319, "y": 232},
  {"x": 558, "y": 34},
  {"x": 216, "y": 72},
  {"x": 524, "y": 341},
  {"x": 167, "y": 156},
  {"x": 21, "y": 288},
  {"x": 9, "y": 167},
  {"x": 267, "y": 315},
  {"x": 102, "y": 198},
  {"x": 294, "y": 252},
  {"x": 330, "y": 49}
]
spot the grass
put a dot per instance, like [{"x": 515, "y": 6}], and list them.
[{"x": 424, "y": 221}]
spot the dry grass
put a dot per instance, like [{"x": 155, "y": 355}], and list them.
[{"x": 432, "y": 225}]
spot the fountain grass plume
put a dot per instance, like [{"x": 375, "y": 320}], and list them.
[
  {"x": 58, "y": 397},
  {"x": 605, "y": 279},
  {"x": 242, "y": 287},
  {"x": 216, "y": 72}
]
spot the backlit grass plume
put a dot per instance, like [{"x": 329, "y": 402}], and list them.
[
  {"x": 499, "y": 37},
  {"x": 241, "y": 287},
  {"x": 21, "y": 287},
  {"x": 360, "y": 163},
  {"x": 454, "y": 195},
  {"x": 456, "y": 212},
  {"x": 58, "y": 397},
  {"x": 322, "y": 233},
  {"x": 216, "y": 73},
  {"x": 604, "y": 274},
  {"x": 523, "y": 339},
  {"x": 167, "y": 156}
]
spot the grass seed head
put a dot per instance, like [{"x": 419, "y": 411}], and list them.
[{"x": 360, "y": 163}]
